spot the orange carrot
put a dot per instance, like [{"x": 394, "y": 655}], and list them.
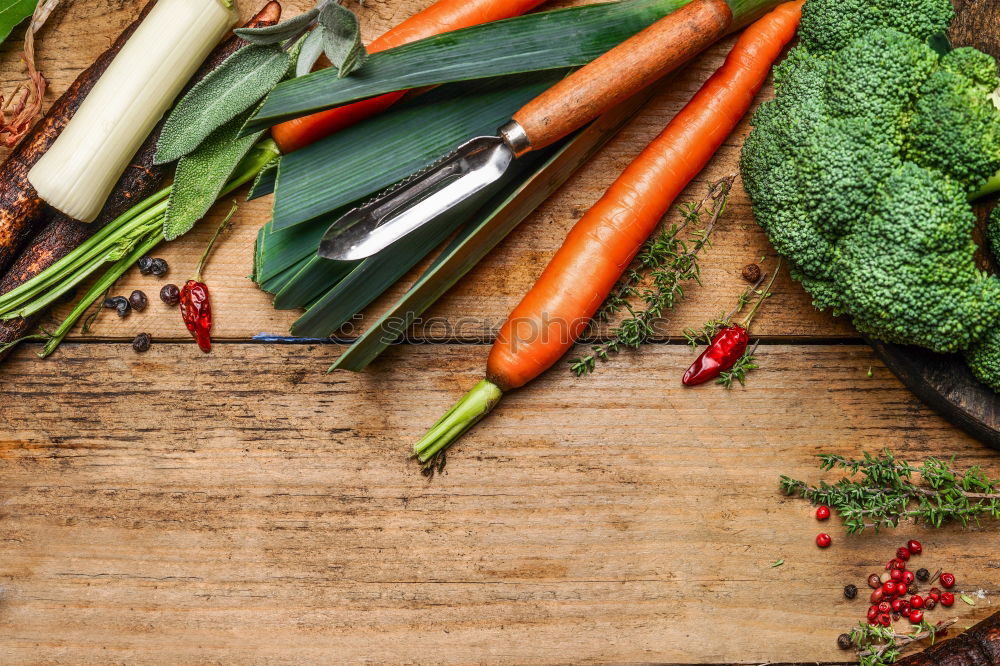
[
  {"x": 443, "y": 16},
  {"x": 557, "y": 310}
]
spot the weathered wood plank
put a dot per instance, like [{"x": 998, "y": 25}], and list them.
[
  {"x": 252, "y": 509},
  {"x": 480, "y": 303}
]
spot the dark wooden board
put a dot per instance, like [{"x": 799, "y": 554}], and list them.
[{"x": 943, "y": 381}]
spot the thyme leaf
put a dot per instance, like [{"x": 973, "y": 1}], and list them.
[
  {"x": 656, "y": 278},
  {"x": 886, "y": 494}
]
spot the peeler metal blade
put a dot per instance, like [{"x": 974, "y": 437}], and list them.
[{"x": 403, "y": 208}]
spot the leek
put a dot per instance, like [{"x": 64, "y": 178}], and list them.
[{"x": 78, "y": 172}]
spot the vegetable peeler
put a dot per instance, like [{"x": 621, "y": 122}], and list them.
[{"x": 584, "y": 95}]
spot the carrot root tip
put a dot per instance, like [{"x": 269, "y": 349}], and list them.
[{"x": 465, "y": 413}]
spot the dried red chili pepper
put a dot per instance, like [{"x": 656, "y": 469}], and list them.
[
  {"x": 195, "y": 304},
  {"x": 727, "y": 346},
  {"x": 196, "y": 310},
  {"x": 729, "y": 343}
]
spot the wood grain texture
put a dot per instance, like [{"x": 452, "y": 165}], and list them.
[
  {"x": 252, "y": 509},
  {"x": 623, "y": 71},
  {"x": 244, "y": 507},
  {"x": 474, "y": 310}
]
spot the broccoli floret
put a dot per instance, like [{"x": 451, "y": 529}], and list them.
[
  {"x": 984, "y": 359},
  {"x": 876, "y": 79},
  {"x": 993, "y": 235},
  {"x": 955, "y": 128},
  {"x": 919, "y": 284},
  {"x": 861, "y": 167},
  {"x": 830, "y": 26}
]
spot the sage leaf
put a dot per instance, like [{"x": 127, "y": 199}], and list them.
[
  {"x": 232, "y": 88},
  {"x": 312, "y": 49},
  {"x": 201, "y": 176},
  {"x": 13, "y": 12},
  {"x": 342, "y": 39},
  {"x": 280, "y": 32}
]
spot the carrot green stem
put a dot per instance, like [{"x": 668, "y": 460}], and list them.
[{"x": 466, "y": 413}]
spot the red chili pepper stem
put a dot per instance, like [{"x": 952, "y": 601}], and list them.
[
  {"x": 763, "y": 296},
  {"x": 211, "y": 243},
  {"x": 743, "y": 299}
]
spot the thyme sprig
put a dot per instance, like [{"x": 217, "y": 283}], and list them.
[
  {"x": 664, "y": 264},
  {"x": 738, "y": 372},
  {"x": 879, "y": 645},
  {"x": 887, "y": 493}
]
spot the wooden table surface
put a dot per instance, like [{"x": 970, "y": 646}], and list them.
[{"x": 246, "y": 507}]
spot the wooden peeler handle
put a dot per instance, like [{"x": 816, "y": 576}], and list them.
[{"x": 620, "y": 73}]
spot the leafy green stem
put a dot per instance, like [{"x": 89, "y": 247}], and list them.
[
  {"x": 886, "y": 493},
  {"x": 668, "y": 262}
]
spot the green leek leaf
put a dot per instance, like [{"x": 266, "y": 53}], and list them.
[
  {"x": 547, "y": 40},
  {"x": 263, "y": 183},
  {"x": 368, "y": 279},
  {"x": 492, "y": 224},
  {"x": 277, "y": 250},
  {"x": 228, "y": 91},
  {"x": 368, "y": 157}
]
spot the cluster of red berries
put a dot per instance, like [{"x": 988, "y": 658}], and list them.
[{"x": 889, "y": 590}]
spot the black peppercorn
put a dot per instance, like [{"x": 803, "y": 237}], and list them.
[
  {"x": 158, "y": 267},
  {"x": 138, "y": 301},
  {"x": 844, "y": 641},
  {"x": 145, "y": 264},
  {"x": 170, "y": 294},
  {"x": 850, "y": 591},
  {"x": 119, "y": 304},
  {"x": 141, "y": 342},
  {"x": 751, "y": 273},
  {"x": 923, "y": 574}
]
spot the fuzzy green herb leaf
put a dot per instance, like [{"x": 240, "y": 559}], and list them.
[
  {"x": 342, "y": 38},
  {"x": 280, "y": 32},
  {"x": 231, "y": 89},
  {"x": 312, "y": 49},
  {"x": 202, "y": 175},
  {"x": 12, "y": 12}
]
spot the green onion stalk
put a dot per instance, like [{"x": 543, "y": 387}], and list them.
[{"x": 122, "y": 242}]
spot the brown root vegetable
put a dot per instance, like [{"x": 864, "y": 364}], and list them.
[
  {"x": 61, "y": 234},
  {"x": 978, "y": 646},
  {"x": 21, "y": 209}
]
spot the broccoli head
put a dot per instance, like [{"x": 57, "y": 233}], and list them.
[
  {"x": 861, "y": 168},
  {"x": 830, "y": 26}
]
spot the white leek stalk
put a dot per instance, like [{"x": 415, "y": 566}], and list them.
[{"x": 78, "y": 172}]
